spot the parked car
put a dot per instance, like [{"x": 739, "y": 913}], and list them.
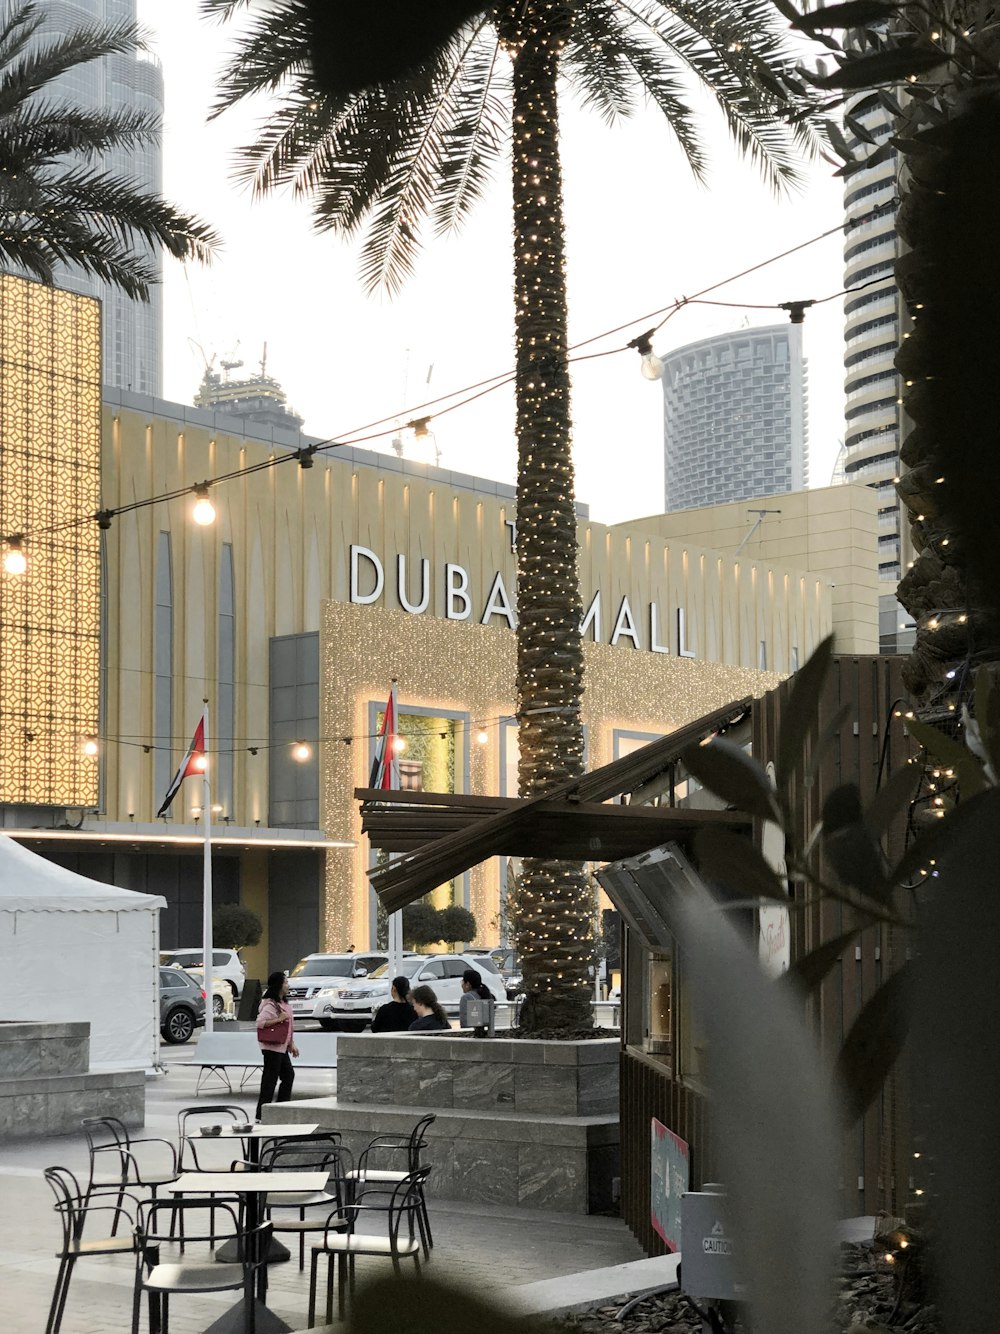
[
  {"x": 319, "y": 973},
  {"x": 502, "y": 958},
  {"x": 351, "y": 1004},
  {"x": 182, "y": 1005},
  {"x": 226, "y": 964}
]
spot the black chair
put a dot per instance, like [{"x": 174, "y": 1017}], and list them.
[
  {"x": 316, "y": 1211},
  {"x": 74, "y": 1208},
  {"x": 115, "y": 1164},
  {"x": 190, "y": 1121},
  {"x": 377, "y": 1173},
  {"x": 161, "y": 1279},
  {"x": 341, "y": 1248}
]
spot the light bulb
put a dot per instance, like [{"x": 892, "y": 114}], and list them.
[
  {"x": 200, "y": 762},
  {"x": 90, "y": 746},
  {"x": 301, "y": 752},
  {"x": 651, "y": 367},
  {"x": 399, "y": 743},
  {"x": 482, "y": 736},
  {"x": 14, "y": 561},
  {"x": 204, "y": 510}
]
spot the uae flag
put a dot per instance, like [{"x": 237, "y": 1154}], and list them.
[
  {"x": 385, "y": 770},
  {"x": 192, "y": 763}
]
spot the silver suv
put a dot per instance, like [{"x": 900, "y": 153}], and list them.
[{"x": 313, "y": 980}]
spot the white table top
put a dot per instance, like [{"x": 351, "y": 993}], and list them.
[
  {"x": 248, "y": 1183},
  {"x": 273, "y": 1130}
]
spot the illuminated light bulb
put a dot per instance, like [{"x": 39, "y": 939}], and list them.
[
  {"x": 200, "y": 762},
  {"x": 90, "y": 746},
  {"x": 918, "y": 1192},
  {"x": 482, "y": 736},
  {"x": 903, "y": 1243},
  {"x": 14, "y": 561},
  {"x": 301, "y": 752},
  {"x": 204, "y": 511},
  {"x": 399, "y": 743}
]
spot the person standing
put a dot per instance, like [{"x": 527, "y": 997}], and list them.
[
  {"x": 275, "y": 1033},
  {"x": 397, "y": 1015},
  {"x": 474, "y": 991}
]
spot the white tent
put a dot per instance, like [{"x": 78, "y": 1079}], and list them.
[{"x": 74, "y": 949}]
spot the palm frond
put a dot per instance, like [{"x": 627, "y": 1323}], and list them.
[
  {"x": 42, "y": 130},
  {"x": 27, "y": 244},
  {"x": 273, "y": 50},
  {"x": 610, "y": 57},
  {"x": 48, "y": 59},
  {"x": 737, "y": 52}
]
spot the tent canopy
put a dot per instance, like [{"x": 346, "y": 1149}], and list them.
[{"x": 75, "y": 949}]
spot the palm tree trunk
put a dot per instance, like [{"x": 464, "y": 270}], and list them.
[{"x": 553, "y": 912}]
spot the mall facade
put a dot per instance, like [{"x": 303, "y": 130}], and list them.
[{"x": 325, "y": 576}]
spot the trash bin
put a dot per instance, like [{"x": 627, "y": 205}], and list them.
[{"x": 249, "y": 1000}]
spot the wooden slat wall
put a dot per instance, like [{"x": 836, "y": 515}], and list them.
[{"x": 877, "y": 1154}]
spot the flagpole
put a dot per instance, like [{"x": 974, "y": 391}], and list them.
[
  {"x": 395, "y": 940},
  {"x": 206, "y": 917}
]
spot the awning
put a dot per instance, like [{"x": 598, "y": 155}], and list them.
[{"x": 469, "y": 830}]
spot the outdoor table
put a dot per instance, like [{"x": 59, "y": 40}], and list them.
[
  {"x": 254, "y": 1186},
  {"x": 254, "y": 1137}
]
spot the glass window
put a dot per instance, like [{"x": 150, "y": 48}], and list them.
[
  {"x": 220, "y": 958},
  {"x": 454, "y": 967},
  {"x": 433, "y": 970},
  {"x": 324, "y": 966},
  {"x": 171, "y": 979}
]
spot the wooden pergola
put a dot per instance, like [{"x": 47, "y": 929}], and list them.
[{"x": 438, "y": 836}]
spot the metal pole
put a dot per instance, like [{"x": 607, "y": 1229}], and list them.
[{"x": 206, "y": 917}]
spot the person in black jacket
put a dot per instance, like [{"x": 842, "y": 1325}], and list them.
[
  {"x": 396, "y": 1015},
  {"x": 431, "y": 1018}
]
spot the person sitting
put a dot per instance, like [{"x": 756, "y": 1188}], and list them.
[
  {"x": 471, "y": 1012},
  {"x": 431, "y": 1018},
  {"x": 473, "y": 984},
  {"x": 397, "y": 1015}
]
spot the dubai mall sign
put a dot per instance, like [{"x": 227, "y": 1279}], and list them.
[{"x": 642, "y": 627}]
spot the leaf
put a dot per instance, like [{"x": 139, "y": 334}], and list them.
[
  {"x": 943, "y": 747},
  {"x": 988, "y": 715},
  {"x": 800, "y": 716},
  {"x": 728, "y": 771},
  {"x": 890, "y": 66},
  {"x": 840, "y": 145},
  {"x": 854, "y": 14},
  {"x": 873, "y": 1045},
  {"x": 810, "y": 970},
  {"x": 731, "y": 862},
  {"x": 849, "y": 845},
  {"x": 894, "y": 796}
]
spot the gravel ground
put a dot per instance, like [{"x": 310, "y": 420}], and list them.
[{"x": 865, "y": 1301}]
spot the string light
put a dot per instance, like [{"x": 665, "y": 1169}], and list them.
[
  {"x": 90, "y": 746},
  {"x": 204, "y": 511},
  {"x": 482, "y": 736},
  {"x": 301, "y": 752},
  {"x": 15, "y": 561}
]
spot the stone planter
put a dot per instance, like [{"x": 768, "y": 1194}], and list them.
[
  {"x": 46, "y": 1087},
  {"x": 519, "y": 1122}
]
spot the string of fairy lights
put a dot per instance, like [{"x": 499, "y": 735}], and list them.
[{"x": 418, "y": 419}]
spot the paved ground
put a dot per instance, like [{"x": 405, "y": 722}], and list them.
[{"x": 487, "y": 1249}]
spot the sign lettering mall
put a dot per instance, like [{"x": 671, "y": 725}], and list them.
[{"x": 644, "y": 630}]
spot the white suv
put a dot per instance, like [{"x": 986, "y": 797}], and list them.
[
  {"x": 226, "y": 964},
  {"x": 314, "y": 979},
  {"x": 352, "y": 1004}
]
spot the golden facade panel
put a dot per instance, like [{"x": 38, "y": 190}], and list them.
[{"x": 50, "y": 456}]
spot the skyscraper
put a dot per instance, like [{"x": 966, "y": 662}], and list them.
[
  {"x": 875, "y": 319},
  {"x": 735, "y": 417},
  {"x": 132, "y": 330}
]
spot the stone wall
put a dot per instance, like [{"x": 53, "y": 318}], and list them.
[{"x": 46, "y": 1087}]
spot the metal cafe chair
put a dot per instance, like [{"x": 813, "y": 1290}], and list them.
[
  {"x": 114, "y": 1163},
  {"x": 374, "y": 1174},
  {"x": 341, "y": 1249},
  {"x": 193, "y": 1152},
  {"x": 316, "y": 1211},
  {"x": 161, "y": 1279},
  {"x": 74, "y": 1209}
]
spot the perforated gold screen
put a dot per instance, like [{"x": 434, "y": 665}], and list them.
[{"x": 50, "y": 402}]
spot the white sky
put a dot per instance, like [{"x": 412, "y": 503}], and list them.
[{"x": 640, "y": 235}]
